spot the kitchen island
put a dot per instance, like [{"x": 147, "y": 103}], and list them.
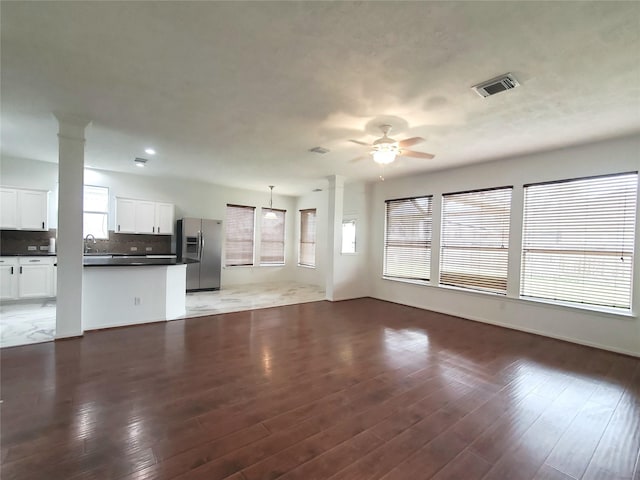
[{"x": 120, "y": 291}]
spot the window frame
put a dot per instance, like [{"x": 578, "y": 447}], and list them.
[
  {"x": 96, "y": 212},
  {"x": 315, "y": 238},
  {"x": 355, "y": 236},
  {"x": 429, "y": 242},
  {"x": 479, "y": 249},
  {"x": 586, "y": 305},
  {"x": 263, "y": 211},
  {"x": 253, "y": 240}
]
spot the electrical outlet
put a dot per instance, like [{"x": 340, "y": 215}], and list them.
[
  {"x": 136, "y": 300},
  {"x": 32, "y": 248},
  {"x": 44, "y": 248},
  {"x": 134, "y": 249},
  {"x": 149, "y": 249}
]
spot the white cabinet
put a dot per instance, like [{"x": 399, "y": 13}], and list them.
[
  {"x": 8, "y": 208},
  {"x": 23, "y": 209},
  {"x": 165, "y": 218},
  {"x": 143, "y": 216},
  {"x": 32, "y": 209},
  {"x": 8, "y": 278},
  {"x": 125, "y": 215},
  {"x": 27, "y": 277}
]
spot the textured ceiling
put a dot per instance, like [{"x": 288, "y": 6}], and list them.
[{"x": 236, "y": 93}]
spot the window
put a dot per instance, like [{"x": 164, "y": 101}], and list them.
[
  {"x": 348, "y": 236},
  {"x": 272, "y": 238},
  {"x": 307, "y": 238},
  {"x": 239, "y": 235},
  {"x": 407, "y": 242},
  {"x": 96, "y": 211},
  {"x": 578, "y": 240},
  {"x": 475, "y": 239}
]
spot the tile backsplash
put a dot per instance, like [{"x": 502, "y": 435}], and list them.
[
  {"x": 17, "y": 242},
  {"x": 133, "y": 244}
]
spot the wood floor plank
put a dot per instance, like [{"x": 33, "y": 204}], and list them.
[
  {"x": 350, "y": 390},
  {"x": 617, "y": 452},
  {"x": 572, "y": 453}
]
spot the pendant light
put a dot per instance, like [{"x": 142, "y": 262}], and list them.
[{"x": 270, "y": 215}]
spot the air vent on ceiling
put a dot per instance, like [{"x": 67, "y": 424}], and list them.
[
  {"x": 320, "y": 150},
  {"x": 496, "y": 85}
]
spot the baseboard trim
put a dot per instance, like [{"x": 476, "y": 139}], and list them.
[{"x": 524, "y": 329}]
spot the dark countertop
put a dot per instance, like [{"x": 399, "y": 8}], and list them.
[
  {"x": 29, "y": 254},
  {"x": 133, "y": 261}
]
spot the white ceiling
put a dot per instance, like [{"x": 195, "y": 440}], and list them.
[{"x": 236, "y": 93}]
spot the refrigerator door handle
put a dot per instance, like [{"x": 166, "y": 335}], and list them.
[{"x": 200, "y": 244}]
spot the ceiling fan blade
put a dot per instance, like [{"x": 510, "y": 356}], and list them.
[
  {"x": 360, "y": 143},
  {"x": 361, "y": 157},
  {"x": 408, "y": 142},
  {"x": 411, "y": 153}
]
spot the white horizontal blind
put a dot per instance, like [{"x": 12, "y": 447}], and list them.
[
  {"x": 307, "y": 238},
  {"x": 239, "y": 234},
  {"x": 407, "y": 242},
  {"x": 475, "y": 239},
  {"x": 272, "y": 238},
  {"x": 578, "y": 240},
  {"x": 96, "y": 211}
]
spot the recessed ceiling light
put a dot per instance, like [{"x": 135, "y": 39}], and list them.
[
  {"x": 149, "y": 151},
  {"x": 140, "y": 162}
]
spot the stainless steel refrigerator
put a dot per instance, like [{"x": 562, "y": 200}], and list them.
[{"x": 201, "y": 239}]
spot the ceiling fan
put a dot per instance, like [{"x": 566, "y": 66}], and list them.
[{"x": 385, "y": 149}]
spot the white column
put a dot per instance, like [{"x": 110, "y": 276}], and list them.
[
  {"x": 515, "y": 242},
  {"x": 436, "y": 239},
  {"x": 70, "y": 243},
  {"x": 334, "y": 234}
]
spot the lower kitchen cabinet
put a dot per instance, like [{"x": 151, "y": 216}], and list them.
[
  {"x": 8, "y": 278},
  {"x": 27, "y": 277}
]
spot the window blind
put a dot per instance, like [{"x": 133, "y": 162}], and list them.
[
  {"x": 475, "y": 239},
  {"x": 407, "y": 243},
  {"x": 239, "y": 233},
  {"x": 272, "y": 238},
  {"x": 307, "y": 238},
  {"x": 578, "y": 240},
  {"x": 96, "y": 211}
]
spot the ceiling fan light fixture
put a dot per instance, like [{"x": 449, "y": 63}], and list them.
[{"x": 385, "y": 153}]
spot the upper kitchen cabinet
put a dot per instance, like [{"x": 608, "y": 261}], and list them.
[
  {"x": 165, "y": 218},
  {"x": 22, "y": 209},
  {"x": 143, "y": 216}
]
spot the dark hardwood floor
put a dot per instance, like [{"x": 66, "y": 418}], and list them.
[{"x": 359, "y": 389}]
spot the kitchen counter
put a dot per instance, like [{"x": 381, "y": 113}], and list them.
[
  {"x": 140, "y": 290},
  {"x": 29, "y": 254},
  {"x": 132, "y": 261}
]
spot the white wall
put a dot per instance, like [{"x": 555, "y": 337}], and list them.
[
  {"x": 192, "y": 199},
  {"x": 614, "y": 332},
  {"x": 351, "y": 275}
]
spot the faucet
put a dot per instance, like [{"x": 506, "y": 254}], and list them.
[{"x": 87, "y": 249}]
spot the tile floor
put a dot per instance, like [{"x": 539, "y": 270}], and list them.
[
  {"x": 35, "y": 322},
  {"x": 23, "y": 323}
]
